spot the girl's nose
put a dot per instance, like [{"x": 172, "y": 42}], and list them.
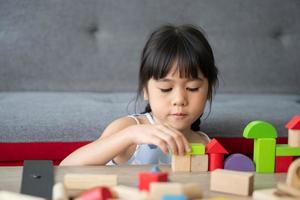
[{"x": 179, "y": 98}]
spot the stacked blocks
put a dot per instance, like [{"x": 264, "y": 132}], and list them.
[
  {"x": 201, "y": 158},
  {"x": 268, "y": 156},
  {"x": 264, "y": 135},
  {"x": 216, "y": 154}
]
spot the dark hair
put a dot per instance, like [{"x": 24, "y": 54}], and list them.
[{"x": 185, "y": 45}]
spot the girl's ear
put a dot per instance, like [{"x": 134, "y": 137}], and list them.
[{"x": 146, "y": 98}]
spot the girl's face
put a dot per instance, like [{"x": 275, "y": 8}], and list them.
[{"x": 177, "y": 101}]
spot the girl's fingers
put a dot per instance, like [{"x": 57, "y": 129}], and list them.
[
  {"x": 169, "y": 140},
  {"x": 175, "y": 139},
  {"x": 160, "y": 143},
  {"x": 186, "y": 146}
]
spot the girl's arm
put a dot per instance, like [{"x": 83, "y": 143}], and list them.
[
  {"x": 119, "y": 140},
  {"x": 115, "y": 142}
]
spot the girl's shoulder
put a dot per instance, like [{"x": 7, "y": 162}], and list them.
[{"x": 126, "y": 121}]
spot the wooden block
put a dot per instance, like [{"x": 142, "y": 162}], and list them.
[
  {"x": 99, "y": 193},
  {"x": 294, "y": 123},
  {"x": 259, "y": 129},
  {"x": 174, "y": 197},
  {"x": 125, "y": 192},
  {"x": 233, "y": 182},
  {"x": 197, "y": 149},
  {"x": 158, "y": 190},
  {"x": 215, "y": 147},
  {"x": 191, "y": 190},
  {"x": 6, "y": 195},
  {"x": 199, "y": 163},
  {"x": 293, "y": 176},
  {"x": 59, "y": 192},
  {"x": 145, "y": 178},
  {"x": 282, "y": 163},
  {"x": 264, "y": 155},
  {"x": 294, "y": 138},
  {"x": 291, "y": 191},
  {"x": 270, "y": 194},
  {"x": 239, "y": 162},
  {"x": 88, "y": 181},
  {"x": 181, "y": 163},
  {"x": 286, "y": 150},
  {"x": 216, "y": 161}
]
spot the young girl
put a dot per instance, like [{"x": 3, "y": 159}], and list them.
[{"x": 177, "y": 77}]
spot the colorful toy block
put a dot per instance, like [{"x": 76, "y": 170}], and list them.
[
  {"x": 146, "y": 178},
  {"x": 282, "y": 163},
  {"x": 294, "y": 123},
  {"x": 239, "y": 162},
  {"x": 216, "y": 154},
  {"x": 197, "y": 149},
  {"x": 264, "y": 135},
  {"x": 292, "y": 186},
  {"x": 293, "y": 176},
  {"x": 174, "y": 197},
  {"x": 181, "y": 163},
  {"x": 234, "y": 182},
  {"x": 59, "y": 192},
  {"x": 286, "y": 150},
  {"x": 264, "y": 155},
  {"x": 270, "y": 194},
  {"x": 199, "y": 163},
  {"x": 88, "y": 181},
  {"x": 190, "y": 190},
  {"x": 126, "y": 192},
  {"x": 155, "y": 168},
  {"x": 215, "y": 147},
  {"x": 259, "y": 129},
  {"x": 294, "y": 138},
  {"x": 98, "y": 193}
]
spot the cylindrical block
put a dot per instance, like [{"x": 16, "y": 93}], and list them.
[
  {"x": 216, "y": 161},
  {"x": 294, "y": 138}
]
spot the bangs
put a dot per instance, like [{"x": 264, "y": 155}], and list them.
[{"x": 176, "y": 55}]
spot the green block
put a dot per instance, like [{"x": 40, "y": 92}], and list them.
[
  {"x": 197, "y": 149},
  {"x": 259, "y": 129},
  {"x": 286, "y": 150},
  {"x": 264, "y": 155}
]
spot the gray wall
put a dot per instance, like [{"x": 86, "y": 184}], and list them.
[{"x": 74, "y": 45}]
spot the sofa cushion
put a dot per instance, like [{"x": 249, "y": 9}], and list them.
[{"x": 42, "y": 117}]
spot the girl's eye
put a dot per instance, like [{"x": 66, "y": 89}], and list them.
[
  {"x": 193, "y": 89},
  {"x": 165, "y": 90}
]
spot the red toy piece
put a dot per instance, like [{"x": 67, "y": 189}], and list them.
[
  {"x": 145, "y": 178},
  {"x": 282, "y": 163},
  {"x": 98, "y": 193},
  {"x": 215, "y": 153},
  {"x": 294, "y": 123}
]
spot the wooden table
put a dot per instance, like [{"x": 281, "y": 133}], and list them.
[{"x": 10, "y": 177}]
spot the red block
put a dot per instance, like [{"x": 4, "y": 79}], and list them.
[
  {"x": 145, "y": 178},
  {"x": 98, "y": 193},
  {"x": 282, "y": 163},
  {"x": 216, "y": 161}
]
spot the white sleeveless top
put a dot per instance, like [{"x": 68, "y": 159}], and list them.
[{"x": 149, "y": 154}]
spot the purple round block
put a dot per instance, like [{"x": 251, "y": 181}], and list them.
[{"x": 239, "y": 162}]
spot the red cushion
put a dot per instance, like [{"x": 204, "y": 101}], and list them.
[{"x": 13, "y": 154}]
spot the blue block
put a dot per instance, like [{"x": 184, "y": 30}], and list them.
[
  {"x": 152, "y": 146},
  {"x": 174, "y": 197},
  {"x": 155, "y": 168}
]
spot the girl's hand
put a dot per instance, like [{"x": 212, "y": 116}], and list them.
[{"x": 163, "y": 136}]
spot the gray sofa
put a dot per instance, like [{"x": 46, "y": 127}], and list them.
[{"x": 68, "y": 68}]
